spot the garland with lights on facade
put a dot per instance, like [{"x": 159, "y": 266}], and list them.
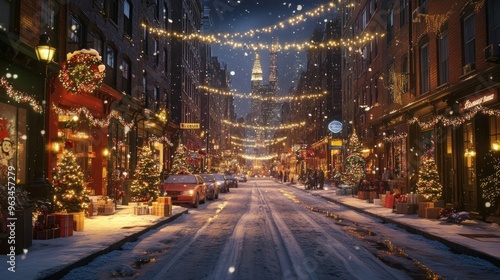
[
  {"x": 82, "y": 72},
  {"x": 395, "y": 138},
  {"x": 455, "y": 121},
  {"x": 163, "y": 139},
  {"x": 92, "y": 120},
  {"x": 264, "y": 98},
  {"x": 255, "y": 127},
  {"x": 19, "y": 96}
]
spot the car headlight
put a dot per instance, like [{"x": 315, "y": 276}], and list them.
[{"x": 190, "y": 192}]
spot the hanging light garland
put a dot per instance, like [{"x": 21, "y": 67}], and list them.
[
  {"x": 395, "y": 138},
  {"x": 264, "y": 98},
  {"x": 255, "y": 127},
  {"x": 274, "y": 141},
  {"x": 92, "y": 120},
  {"x": 455, "y": 121},
  {"x": 19, "y": 96},
  {"x": 162, "y": 139},
  {"x": 257, "y": 144},
  {"x": 82, "y": 72},
  {"x": 250, "y": 157}
]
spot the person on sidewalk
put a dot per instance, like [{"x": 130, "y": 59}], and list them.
[{"x": 321, "y": 179}]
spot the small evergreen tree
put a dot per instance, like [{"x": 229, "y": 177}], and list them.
[
  {"x": 490, "y": 180},
  {"x": 428, "y": 183},
  {"x": 69, "y": 186},
  {"x": 179, "y": 163},
  {"x": 354, "y": 165},
  {"x": 146, "y": 185}
]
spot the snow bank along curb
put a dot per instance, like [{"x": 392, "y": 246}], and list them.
[
  {"x": 455, "y": 247},
  {"x": 115, "y": 246}
]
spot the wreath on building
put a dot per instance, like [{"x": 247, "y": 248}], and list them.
[{"x": 82, "y": 72}]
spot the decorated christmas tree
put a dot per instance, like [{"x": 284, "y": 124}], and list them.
[
  {"x": 145, "y": 186},
  {"x": 490, "y": 180},
  {"x": 69, "y": 186},
  {"x": 179, "y": 163},
  {"x": 428, "y": 183},
  {"x": 354, "y": 165}
]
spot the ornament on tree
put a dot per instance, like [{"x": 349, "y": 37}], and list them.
[
  {"x": 69, "y": 186},
  {"x": 428, "y": 183},
  {"x": 146, "y": 185},
  {"x": 82, "y": 72}
]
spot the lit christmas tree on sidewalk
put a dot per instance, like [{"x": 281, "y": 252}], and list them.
[
  {"x": 145, "y": 186},
  {"x": 69, "y": 186},
  {"x": 179, "y": 163},
  {"x": 428, "y": 178},
  {"x": 355, "y": 164},
  {"x": 490, "y": 181}
]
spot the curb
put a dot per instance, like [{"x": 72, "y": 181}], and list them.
[
  {"x": 455, "y": 247},
  {"x": 112, "y": 247}
]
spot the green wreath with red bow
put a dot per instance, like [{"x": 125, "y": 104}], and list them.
[{"x": 82, "y": 72}]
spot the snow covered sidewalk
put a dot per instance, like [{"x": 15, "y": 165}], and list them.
[
  {"x": 472, "y": 237},
  {"x": 55, "y": 257}
]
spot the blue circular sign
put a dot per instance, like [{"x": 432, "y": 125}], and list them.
[{"x": 335, "y": 126}]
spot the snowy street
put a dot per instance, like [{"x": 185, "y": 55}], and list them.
[{"x": 266, "y": 230}]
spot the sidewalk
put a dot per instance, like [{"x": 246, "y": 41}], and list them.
[
  {"x": 472, "y": 237},
  {"x": 53, "y": 258}
]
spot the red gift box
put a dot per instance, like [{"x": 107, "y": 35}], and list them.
[
  {"x": 65, "y": 222},
  {"x": 389, "y": 201}
]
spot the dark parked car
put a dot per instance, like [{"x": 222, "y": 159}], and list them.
[
  {"x": 242, "y": 177},
  {"x": 232, "y": 181},
  {"x": 222, "y": 183},
  {"x": 212, "y": 188},
  {"x": 185, "y": 189}
]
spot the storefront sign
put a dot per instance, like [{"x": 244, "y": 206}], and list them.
[
  {"x": 190, "y": 126},
  {"x": 335, "y": 126},
  {"x": 488, "y": 97},
  {"x": 335, "y": 144}
]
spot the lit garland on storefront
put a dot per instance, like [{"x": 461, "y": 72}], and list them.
[
  {"x": 264, "y": 98},
  {"x": 280, "y": 127},
  {"x": 395, "y": 138},
  {"x": 19, "y": 96},
  {"x": 455, "y": 121},
  {"x": 92, "y": 120},
  {"x": 162, "y": 139},
  {"x": 250, "y": 157}
]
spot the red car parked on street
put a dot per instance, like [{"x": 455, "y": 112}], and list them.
[{"x": 185, "y": 189}]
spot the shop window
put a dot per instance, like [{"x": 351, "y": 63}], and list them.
[
  {"x": 495, "y": 133},
  {"x": 12, "y": 144},
  {"x": 469, "y": 157},
  {"x": 397, "y": 158}
]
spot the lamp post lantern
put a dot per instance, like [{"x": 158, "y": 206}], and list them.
[{"x": 45, "y": 53}]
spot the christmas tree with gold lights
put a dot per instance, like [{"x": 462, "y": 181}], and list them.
[
  {"x": 179, "y": 163},
  {"x": 490, "y": 180},
  {"x": 69, "y": 186},
  {"x": 146, "y": 185},
  {"x": 354, "y": 165},
  {"x": 428, "y": 178}
]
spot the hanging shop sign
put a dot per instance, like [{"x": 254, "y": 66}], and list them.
[
  {"x": 190, "y": 126},
  {"x": 335, "y": 126},
  {"x": 335, "y": 144},
  {"x": 483, "y": 99}
]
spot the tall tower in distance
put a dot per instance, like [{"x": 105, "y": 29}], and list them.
[{"x": 273, "y": 67}]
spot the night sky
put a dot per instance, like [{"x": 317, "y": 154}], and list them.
[{"x": 244, "y": 15}]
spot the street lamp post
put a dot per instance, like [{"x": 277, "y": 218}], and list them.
[{"x": 45, "y": 53}]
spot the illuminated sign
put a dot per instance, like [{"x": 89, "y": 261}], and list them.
[
  {"x": 335, "y": 126},
  {"x": 335, "y": 143},
  {"x": 488, "y": 97},
  {"x": 190, "y": 126}
]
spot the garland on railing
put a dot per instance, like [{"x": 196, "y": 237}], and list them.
[
  {"x": 19, "y": 96},
  {"x": 163, "y": 139}
]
